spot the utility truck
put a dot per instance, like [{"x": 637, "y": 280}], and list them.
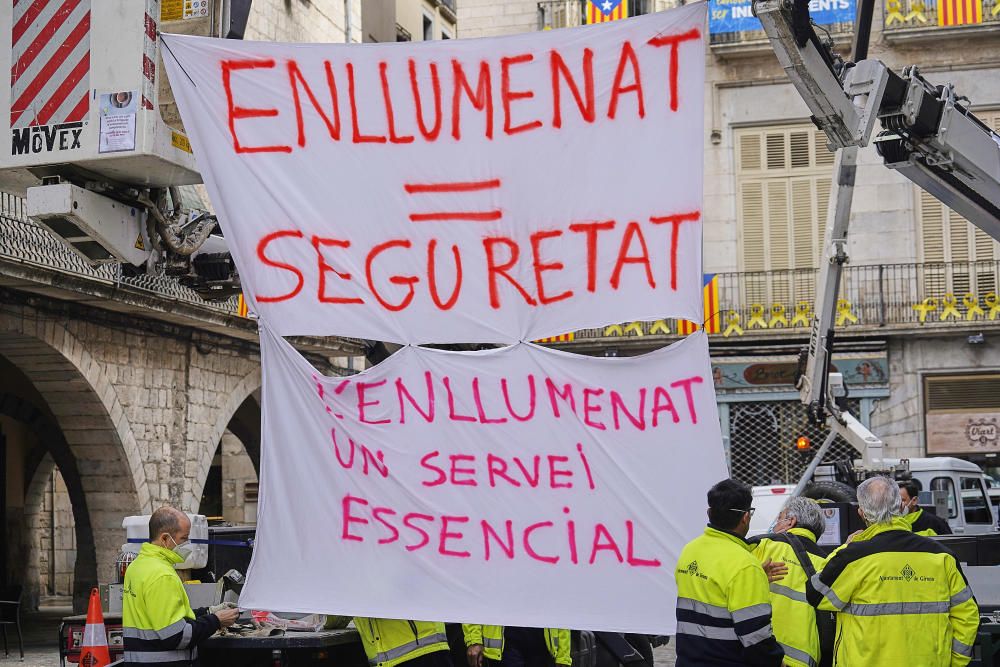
[{"x": 927, "y": 133}]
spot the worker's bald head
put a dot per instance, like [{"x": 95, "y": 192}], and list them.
[{"x": 168, "y": 521}]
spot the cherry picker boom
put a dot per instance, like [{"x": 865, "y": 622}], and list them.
[{"x": 926, "y": 132}]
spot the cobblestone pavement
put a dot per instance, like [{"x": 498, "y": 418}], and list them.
[{"x": 41, "y": 647}]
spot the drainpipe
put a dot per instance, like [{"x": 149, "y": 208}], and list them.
[
  {"x": 348, "y": 33},
  {"x": 52, "y": 533}
]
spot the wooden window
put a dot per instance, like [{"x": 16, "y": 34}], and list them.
[{"x": 783, "y": 184}]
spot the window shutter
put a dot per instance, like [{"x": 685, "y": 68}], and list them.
[
  {"x": 750, "y": 152},
  {"x": 775, "y": 151},
  {"x": 821, "y": 153},
  {"x": 752, "y": 210},
  {"x": 799, "y": 149},
  {"x": 783, "y": 180},
  {"x": 804, "y": 223},
  {"x": 931, "y": 213}
]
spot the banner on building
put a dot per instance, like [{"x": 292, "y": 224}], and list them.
[
  {"x": 737, "y": 15},
  {"x": 490, "y": 190},
  {"x": 437, "y": 481}
]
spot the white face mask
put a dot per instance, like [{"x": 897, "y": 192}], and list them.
[{"x": 184, "y": 549}]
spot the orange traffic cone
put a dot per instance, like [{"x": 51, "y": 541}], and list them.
[{"x": 95, "y": 638}]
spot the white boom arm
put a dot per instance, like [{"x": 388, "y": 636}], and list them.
[{"x": 927, "y": 135}]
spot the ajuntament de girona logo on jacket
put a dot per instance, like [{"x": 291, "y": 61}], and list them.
[{"x": 900, "y": 598}]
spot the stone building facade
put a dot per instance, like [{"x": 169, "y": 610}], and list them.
[
  {"x": 766, "y": 183},
  {"x": 121, "y": 393}
]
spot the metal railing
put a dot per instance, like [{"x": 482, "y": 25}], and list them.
[
  {"x": 880, "y": 295},
  {"x": 758, "y": 37},
  {"x": 24, "y": 241},
  {"x": 903, "y": 15}
]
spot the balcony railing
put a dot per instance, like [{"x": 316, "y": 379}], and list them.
[
  {"x": 921, "y": 16},
  {"x": 24, "y": 241},
  {"x": 902, "y": 296}
]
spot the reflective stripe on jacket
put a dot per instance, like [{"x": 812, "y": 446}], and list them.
[
  {"x": 901, "y": 599},
  {"x": 389, "y": 642},
  {"x": 557, "y": 640},
  {"x": 158, "y": 624},
  {"x": 723, "y": 604},
  {"x": 793, "y": 618}
]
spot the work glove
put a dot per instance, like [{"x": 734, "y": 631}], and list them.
[{"x": 219, "y": 607}]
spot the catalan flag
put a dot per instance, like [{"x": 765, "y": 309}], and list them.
[
  {"x": 241, "y": 307},
  {"x": 959, "y": 12},
  {"x": 710, "y": 308},
  {"x": 561, "y": 338},
  {"x": 600, "y": 11}
]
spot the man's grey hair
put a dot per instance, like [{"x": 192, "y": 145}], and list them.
[
  {"x": 879, "y": 499},
  {"x": 807, "y": 514}
]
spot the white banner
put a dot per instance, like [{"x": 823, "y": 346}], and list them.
[
  {"x": 488, "y": 190},
  {"x": 531, "y": 487}
]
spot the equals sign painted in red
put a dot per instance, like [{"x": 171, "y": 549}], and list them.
[{"x": 454, "y": 216}]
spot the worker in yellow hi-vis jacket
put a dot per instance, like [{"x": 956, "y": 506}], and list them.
[
  {"x": 158, "y": 624},
  {"x": 516, "y": 647},
  {"x": 900, "y": 598},
  {"x": 389, "y": 642}
]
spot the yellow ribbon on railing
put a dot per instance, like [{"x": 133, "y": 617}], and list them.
[
  {"x": 894, "y": 12},
  {"x": 757, "y": 316},
  {"x": 778, "y": 316},
  {"x": 803, "y": 313},
  {"x": 928, "y": 305},
  {"x": 635, "y": 327},
  {"x": 659, "y": 326},
  {"x": 844, "y": 313},
  {"x": 950, "y": 309},
  {"x": 733, "y": 324},
  {"x": 972, "y": 309},
  {"x": 917, "y": 9},
  {"x": 613, "y": 330},
  {"x": 991, "y": 299}
]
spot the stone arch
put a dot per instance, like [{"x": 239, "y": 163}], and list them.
[
  {"x": 235, "y": 408},
  {"x": 54, "y": 451},
  {"x": 84, "y": 565},
  {"x": 91, "y": 420}
]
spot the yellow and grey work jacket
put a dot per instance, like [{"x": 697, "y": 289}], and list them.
[
  {"x": 389, "y": 642},
  {"x": 557, "y": 640},
  {"x": 793, "y": 618},
  {"x": 723, "y": 604},
  {"x": 158, "y": 623},
  {"x": 900, "y": 598},
  {"x": 924, "y": 523}
]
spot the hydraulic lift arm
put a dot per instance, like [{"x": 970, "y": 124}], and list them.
[{"x": 927, "y": 134}]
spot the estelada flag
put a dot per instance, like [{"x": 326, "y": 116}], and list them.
[
  {"x": 599, "y": 11},
  {"x": 959, "y": 12},
  {"x": 710, "y": 308}
]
